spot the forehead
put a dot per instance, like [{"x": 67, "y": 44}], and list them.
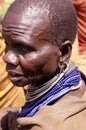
[
  {"x": 27, "y": 27},
  {"x": 31, "y": 19}
]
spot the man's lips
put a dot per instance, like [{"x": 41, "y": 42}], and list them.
[{"x": 13, "y": 75}]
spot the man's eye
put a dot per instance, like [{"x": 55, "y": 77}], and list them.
[{"x": 24, "y": 49}]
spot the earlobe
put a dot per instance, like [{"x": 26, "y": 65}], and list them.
[{"x": 65, "y": 50}]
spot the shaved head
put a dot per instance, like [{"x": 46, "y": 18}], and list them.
[{"x": 60, "y": 13}]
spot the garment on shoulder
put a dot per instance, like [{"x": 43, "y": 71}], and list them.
[{"x": 68, "y": 113}]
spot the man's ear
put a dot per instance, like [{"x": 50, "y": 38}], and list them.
[{"x": 65, "y": 50}]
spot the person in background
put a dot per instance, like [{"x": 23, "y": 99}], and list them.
[
  {"x": 39, "y": 35},
  {"x": 80, "y": 44}
]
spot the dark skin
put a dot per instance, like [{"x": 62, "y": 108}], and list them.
[
  {"x": 30, "y": 56},
  {"x": 8, "y": 118},
  {"x": 73, "y": 1}
]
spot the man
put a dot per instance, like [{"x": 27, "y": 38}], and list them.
[{"x": 39, "y": 36}]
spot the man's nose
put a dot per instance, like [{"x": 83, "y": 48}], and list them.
[{"x": 11, "y": 58}]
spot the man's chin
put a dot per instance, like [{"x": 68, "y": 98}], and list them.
[
  {"x": 26, "y": 81},
  {"x": 19, "y": 83}
]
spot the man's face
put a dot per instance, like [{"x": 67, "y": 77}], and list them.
[{"x": 30, "y": 57}]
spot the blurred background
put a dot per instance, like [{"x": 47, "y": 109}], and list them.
[{"x": 4, "y": 4}]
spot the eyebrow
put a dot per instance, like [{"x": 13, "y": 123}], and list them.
[{"x": 16, "y": 41}]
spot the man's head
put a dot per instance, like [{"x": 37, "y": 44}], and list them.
[{"x": 39, "y": 35}]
